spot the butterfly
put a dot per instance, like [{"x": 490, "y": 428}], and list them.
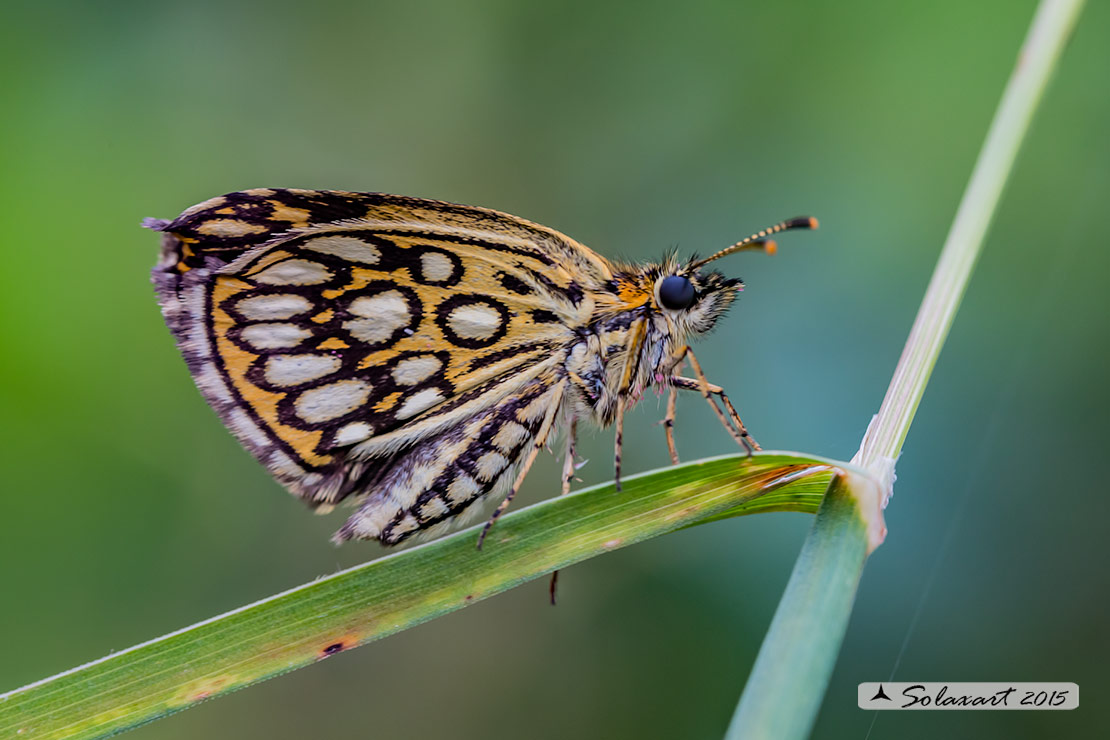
[{"x": 415, "y": 356}]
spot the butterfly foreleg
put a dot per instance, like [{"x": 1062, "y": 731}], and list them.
[
  {"x": 732, "y": 421},
  {"x": 530, "y": 457}
]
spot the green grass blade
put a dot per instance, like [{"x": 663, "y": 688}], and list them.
[
  {"x": 791, "y": 672},
  {"x": 796, "y": 660},
  {"x": 365, "y": 603}
]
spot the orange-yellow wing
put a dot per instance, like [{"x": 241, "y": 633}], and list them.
[{"x": 333, "y": 330}]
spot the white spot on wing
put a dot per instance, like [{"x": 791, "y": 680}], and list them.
[
  {"x": 371, "y": 519},
  {"x": 418, "y": 402},
  {"x": 406, "y": 525},
  {"x": 274, "y": 336},
  {"x": 380, "y": 316},
  {"x": 475, "y": 321},
  {"x": 286, "y": 370},
  {"x": 436, "y": 267},
  {"x": 462, "y": 488},
  {"x": 433, "y": 508},
  {"x": 509, "y": 436},
  {"x": 210, "y": 381},
  {"x": 293, "y": 272},
  {"x": 354, "y": 432},
  {"x": 247, "y": 429},
  {"x": 229, "y": 227},
  {"x": 332, "y": 400},
  {"x": 536, "y": 409},
  {"x": 267, "y": 307},
  {"x": 420, "y": 478},
  {"x": 489, "y": 465},
  {"x": 278, "y": 463},
  {"x": 413, "y": 370},
  {"x": 348, "y": 248}
]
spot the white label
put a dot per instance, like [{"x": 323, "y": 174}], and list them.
[{"x": 941, "y": 695}]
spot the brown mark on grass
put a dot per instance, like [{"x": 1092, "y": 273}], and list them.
[{"x": 337, "y": 646}]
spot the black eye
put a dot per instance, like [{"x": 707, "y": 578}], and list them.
[{"x": 676, "y": 292}]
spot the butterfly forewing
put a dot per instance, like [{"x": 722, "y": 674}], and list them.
[{"x": 372, "y": 344}]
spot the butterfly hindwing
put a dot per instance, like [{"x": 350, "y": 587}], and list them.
[
  {"x": 443, "y": 481},
  {"x": 342, "y": 336}
]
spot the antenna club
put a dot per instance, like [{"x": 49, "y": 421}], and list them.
[
  {"x": 770, "y": 246},
  {"x": 813, "y": 223},
  {"x": 802, "y": 222}
]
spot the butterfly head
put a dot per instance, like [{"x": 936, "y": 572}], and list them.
[{"x": 693, "y": 298}]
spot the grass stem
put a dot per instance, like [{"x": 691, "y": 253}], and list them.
[{"x": 788, "y": 681}]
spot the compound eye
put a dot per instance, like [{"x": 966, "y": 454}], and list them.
[{"x": 676, "y": 293}]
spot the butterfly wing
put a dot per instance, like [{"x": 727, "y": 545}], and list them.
[{"x": 336, "y": 333}]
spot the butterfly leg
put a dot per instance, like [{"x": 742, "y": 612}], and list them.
[
  {"x": 534, "y": 450},
  {"x": 618, "y": 444},
  {"x": 736, "y": 428},
  {"x": 672, "y": 400},
  {"x": 668, "y": 423},
  {"x": 568, "y": 457},
  {"x": 625, "y": 391},
  {"x": 568, "y": 476},
  {"x": 735, "y": 417}
]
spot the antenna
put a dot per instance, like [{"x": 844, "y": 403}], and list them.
[{"x": 759, "y": 239}]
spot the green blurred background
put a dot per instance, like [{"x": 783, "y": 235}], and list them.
[{"x": 128, "y": 511}]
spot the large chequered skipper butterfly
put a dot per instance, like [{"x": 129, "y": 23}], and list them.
[{"x": 414, "y": 355}]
